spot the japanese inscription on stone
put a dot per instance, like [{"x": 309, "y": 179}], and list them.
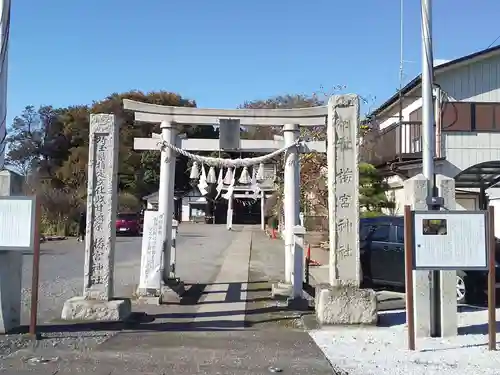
[
  {"x": 343, "y": 175},
  {"x": 101, "y": 207},
  {"x": 151, "y": 255}
]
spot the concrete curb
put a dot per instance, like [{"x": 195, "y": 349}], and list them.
[{"x": 52, "y": 238}]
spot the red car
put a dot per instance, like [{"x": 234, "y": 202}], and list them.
[{"x": 128, "y": 223}]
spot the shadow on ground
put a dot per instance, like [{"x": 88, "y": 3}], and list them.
[
  {"x": 260, "y": 310},
  {"x": 396, "y": 318}
]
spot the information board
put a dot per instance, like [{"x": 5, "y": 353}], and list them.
[
  {"x": 450, "y": 240},
  {"x": 17, "y": 222}
]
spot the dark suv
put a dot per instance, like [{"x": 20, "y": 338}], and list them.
[{"x": 382, "y": 259}]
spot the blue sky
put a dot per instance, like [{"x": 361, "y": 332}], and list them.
[{"x": 221, "y": 52}]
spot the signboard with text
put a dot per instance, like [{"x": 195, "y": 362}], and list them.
[
  {"x": 450, "y": 240},
  {"x": 17, "y": 223}
]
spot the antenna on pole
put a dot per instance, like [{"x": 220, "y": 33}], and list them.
[
  {"x": 401, "y": 45},
  {"x": 401, "y": 72}
]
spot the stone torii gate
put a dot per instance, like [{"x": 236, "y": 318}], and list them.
[
  {"x": 230, "y": 122},
  {"x": 341, "y": 116}
]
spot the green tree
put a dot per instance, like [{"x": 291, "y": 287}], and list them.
[
  {"x": 372, "y": 191},
  {"x": 25, "y": 140},
  {"x": 313, "y": 173},
  {"x": 51, "y": 146}
]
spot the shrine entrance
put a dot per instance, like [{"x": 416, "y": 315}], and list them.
[
  {"x": 341, "y": 119},
  {"x": 158, "y": 253}
]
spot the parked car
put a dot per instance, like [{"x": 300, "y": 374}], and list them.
[
  {"x": 382, "y": 259},
  {"x": 128, "y": 223}
]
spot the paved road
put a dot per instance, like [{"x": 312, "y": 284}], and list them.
[{"x": 62, "y": 262}]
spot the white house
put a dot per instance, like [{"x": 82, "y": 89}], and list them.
[
  {"x": 467, "y": 103},
  {"x": 11, "y": 183}
]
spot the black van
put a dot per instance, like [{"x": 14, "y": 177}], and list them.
[{"x": 382, "y": 259}]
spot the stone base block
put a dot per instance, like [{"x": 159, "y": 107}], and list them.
[
  {"x": 81, "y": 309},
  {"x": 11, "y": 268},
  {"x": 172, "y": 292},
  {"x": 148, "y": 296},
  {"x": 149, "y": 300},
  {"x": 147, "y": 292},
  {"x": 281, "y": 290},
  {"x": 343, "y": 305}
]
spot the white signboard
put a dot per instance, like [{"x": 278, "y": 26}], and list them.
[
  {"x": 17, "y": 222},
  {"x": 450, "y": 240},
  {"x": 151, "y": 251}
]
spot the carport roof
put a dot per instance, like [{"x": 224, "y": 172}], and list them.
[{"x": 479, "y": 176}]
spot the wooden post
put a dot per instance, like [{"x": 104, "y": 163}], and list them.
[
  {"x": 36, "y": 271},
  {"x": 492, "y": 332},
  {"x": 408, "y": 248}
]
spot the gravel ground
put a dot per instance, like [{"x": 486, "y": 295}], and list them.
[
  {"x": 384, "y": 350},
  {"x": 79, "y": 341},
  {"x": 61, "y": 274}
]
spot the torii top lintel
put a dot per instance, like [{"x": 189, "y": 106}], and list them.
[{"x": 145, "y": 112}]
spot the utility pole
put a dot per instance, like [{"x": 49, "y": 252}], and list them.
[
  {"x": 4, "y": 59},
  {"x": 429, "y": 147}
]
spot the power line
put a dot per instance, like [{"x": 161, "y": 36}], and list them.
[{"x": 491, "y": 45}]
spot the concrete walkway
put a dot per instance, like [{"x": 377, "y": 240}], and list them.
[{"x": 226, "y": 296}]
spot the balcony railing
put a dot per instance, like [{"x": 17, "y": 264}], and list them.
[
  {"x": 396, "y": 142},
  {"x": 400, "y": 142}
]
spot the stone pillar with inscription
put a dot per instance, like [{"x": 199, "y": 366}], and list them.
[
  {"x": 448, "y": 279},
  {"x": 415, "y": 190},
  {"x": 97, "y": 303},
  {"x": 342, "y": 301},
  {"x": 150, "y": 280}
]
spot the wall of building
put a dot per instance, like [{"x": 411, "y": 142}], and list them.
[
  {"x": 465, "y": 200},
  {"x": 392, "y": 116},
  {"x": 186, "y": 206},
  {"x": 477, "y": 82},
  {"x": 463, "y": 150}
]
